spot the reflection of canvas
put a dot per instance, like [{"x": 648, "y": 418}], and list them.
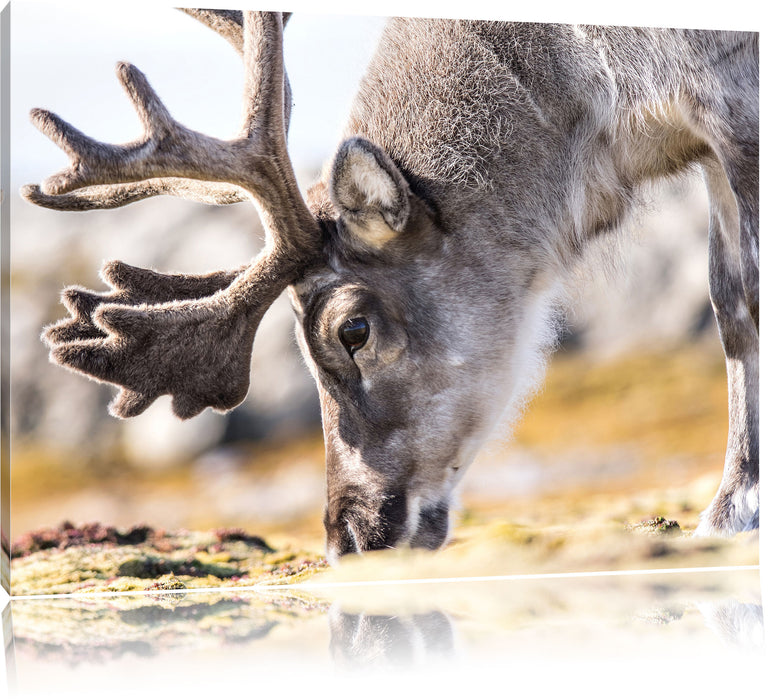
[
  {"x": 484, "y": 173},
  {"x": 677, "y": 622}
]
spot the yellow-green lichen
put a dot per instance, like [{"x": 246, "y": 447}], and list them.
[{"x": 192, "y": 559}]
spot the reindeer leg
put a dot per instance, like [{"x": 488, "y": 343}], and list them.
[{"x": 732, "y": 280}]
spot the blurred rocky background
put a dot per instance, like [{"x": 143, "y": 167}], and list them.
[
  {"x": 72, "y": 460},
  {"x": 59, "y": 409}
]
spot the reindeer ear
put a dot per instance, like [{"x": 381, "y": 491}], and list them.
[{"x": 369, "y": 193}]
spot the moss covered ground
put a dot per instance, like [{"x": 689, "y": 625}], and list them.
[{"x": 666, "y": 413}]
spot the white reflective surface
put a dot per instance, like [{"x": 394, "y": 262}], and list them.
[{"x": 613, "y": 636}]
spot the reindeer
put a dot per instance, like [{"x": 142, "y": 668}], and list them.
[{"x": 479, "y": 161}]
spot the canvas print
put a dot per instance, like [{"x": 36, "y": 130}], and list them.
[{"x": 439, "y": 299}]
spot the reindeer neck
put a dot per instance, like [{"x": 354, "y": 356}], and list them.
[{"x": 544, "y": 133}]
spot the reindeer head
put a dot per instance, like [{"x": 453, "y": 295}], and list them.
[{"x": 410, "y": 380}]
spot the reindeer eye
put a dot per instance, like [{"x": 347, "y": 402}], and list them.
[{"x": 354, "y": 333}]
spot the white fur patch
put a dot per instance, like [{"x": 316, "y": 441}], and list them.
[
  {"x": 376, "y": 185},
  {"x": 413, "y": 517},
  {"x": 352, "y": 534},
  {"x": 455, "y": 360},
  {"x": 746, "y": 504}
]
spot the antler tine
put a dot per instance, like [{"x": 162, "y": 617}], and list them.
[
  {"x": 130, "y": 286},
  {"x": 227, "y": 23},
  {"x": 167, "y": 148},
  {"x": 114, "y": 196},
  {"x": 266, "y": 106},
  {"x": 263, "y": 98}
]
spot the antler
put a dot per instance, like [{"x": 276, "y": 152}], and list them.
[
  {"x": 227, "y": 23},
  {"x": 185, "y": 335},
  {"x": 131, "y": 286}
]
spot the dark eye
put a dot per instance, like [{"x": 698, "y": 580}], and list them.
[{"x": 354, "y": 333}]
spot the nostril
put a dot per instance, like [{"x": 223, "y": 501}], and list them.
[
  {"x": 432, "y": 529},
  {"x": 341, "y": 540}
]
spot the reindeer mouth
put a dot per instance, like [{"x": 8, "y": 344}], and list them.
[{"x": 355, "y": 528}]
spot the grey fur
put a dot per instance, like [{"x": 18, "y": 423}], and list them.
[{"x": 479, "y": 160}]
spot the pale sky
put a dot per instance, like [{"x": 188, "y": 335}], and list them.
[{"x": 63, "y": 55}]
